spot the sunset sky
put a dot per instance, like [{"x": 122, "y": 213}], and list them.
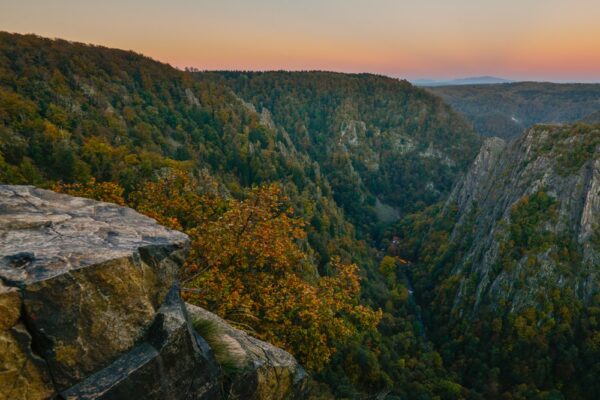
[{"x": 519, "y": 39}]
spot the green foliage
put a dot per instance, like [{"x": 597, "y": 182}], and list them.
[
  {"x": 374, "y": 137},
  {"x": 506, "y": 110},
  {"x": 526, "y": 229},
  {"x": 110, "y": 122},
  {"x": 503, "y": 348},
  {"x": 573, "y": 147}
]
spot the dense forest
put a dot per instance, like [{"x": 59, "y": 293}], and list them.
[
  {"x": 507, "y": 270},
  {"x": 326, "y": 216},
  {"x": 379, "y": 141},
  {"x": 191, "y": 152},
  {"x": 593, "y": 118},
  {"x": 506, "y": 110}
]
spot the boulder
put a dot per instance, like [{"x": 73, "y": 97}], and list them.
[
  {"x": 173, "y": 363},
  {"x": 84, "y": 303},
  {"x": 90, "y": 309},
  {"x": 261, "y": 371}
]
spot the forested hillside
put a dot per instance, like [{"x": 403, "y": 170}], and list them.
[
  {"x": 506, "y": 110},
  {"x": 507, "y": 269},
  {"x": 353, "y": 220},
  {"x": 271, "y": 205},
  {"x": 593, "y": 118},
  {"x": 386, "y": 147}
]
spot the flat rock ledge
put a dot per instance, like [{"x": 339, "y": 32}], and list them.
[{"x": 90, "y": 309}]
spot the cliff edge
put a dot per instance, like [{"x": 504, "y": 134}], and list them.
[{"x": 90, "y": 306}]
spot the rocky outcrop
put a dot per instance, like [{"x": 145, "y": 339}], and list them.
[
  {"x": 474, "y": 183},
  {"x": 261, "y": 371},
  {"x": 562, "y": 162},
  {"x": 90, "y": 309},
  {"x": 92, "y": 306},
  {"x": 172, "y": 362}
]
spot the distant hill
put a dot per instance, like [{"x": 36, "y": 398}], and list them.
[
  {"x": 476, "y": 80},
  {"x": 593, "y": 118},
  {"x": 506, "y": 110}
]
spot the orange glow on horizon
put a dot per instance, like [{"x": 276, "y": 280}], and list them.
[{"x": 526, "y": 39}]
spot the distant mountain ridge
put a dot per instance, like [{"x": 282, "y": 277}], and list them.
[
  {"x": 475, "y": 80},
  {"x": 506, "y": 110}
]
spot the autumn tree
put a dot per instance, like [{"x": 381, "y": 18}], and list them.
[
  {"x": 101, "y": 191},
  {"x": 247, "y": 263}
]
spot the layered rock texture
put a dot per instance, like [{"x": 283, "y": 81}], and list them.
[
  {"x": 529, "y": 218},
  {"x": 260, "y": 370},
  {"x": 90, "y": 307}
]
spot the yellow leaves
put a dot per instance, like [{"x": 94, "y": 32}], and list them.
[
  {"x": 253, "y": 234},
  {"x": 246, "y": 263},
  {"x": 14, "y": 108},
  {"x": 176, "y": 202},
  {"x": 53, "y": 133},
  {"x": 246, "y": 254},
  {"x": 387, "y": 267},
  {"x": 97, "y": 147},
  {"x": 102, "y": 191}
]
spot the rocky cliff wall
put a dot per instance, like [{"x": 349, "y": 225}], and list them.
[{"x": 529, "y": 216}]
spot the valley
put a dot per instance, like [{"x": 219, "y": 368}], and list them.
[{"x": 395, "y": 248}]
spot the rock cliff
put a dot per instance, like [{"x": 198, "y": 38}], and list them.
[
  {"x": 529, "y": 216},
  {"x": 90, "y": 308}
]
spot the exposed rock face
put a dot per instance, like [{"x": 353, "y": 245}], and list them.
[
  {"x": 172, "y": 363},
  {"x": 90, "y": 309},
  {"x": 263, "y": 371},
  {"x": 478, "y": 177},
  {"x": 562, "y": 162},
  {"x": 84, "y": 304},
  {"x": 23, "y": 375}
]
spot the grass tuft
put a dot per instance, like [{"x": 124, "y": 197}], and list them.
[{"x": 224, "y": 353}]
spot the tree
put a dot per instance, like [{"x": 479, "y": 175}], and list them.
[{"x": 248, "y": 265}]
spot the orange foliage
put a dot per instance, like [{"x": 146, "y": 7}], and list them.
[
  {"x": 101, "y": 191},
  {"x": 247, "y": 265}
]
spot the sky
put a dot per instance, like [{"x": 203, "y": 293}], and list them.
[{"x": 555, "y": 40}]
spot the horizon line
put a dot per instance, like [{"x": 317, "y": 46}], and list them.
[{"x": 412, "y": 79}]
